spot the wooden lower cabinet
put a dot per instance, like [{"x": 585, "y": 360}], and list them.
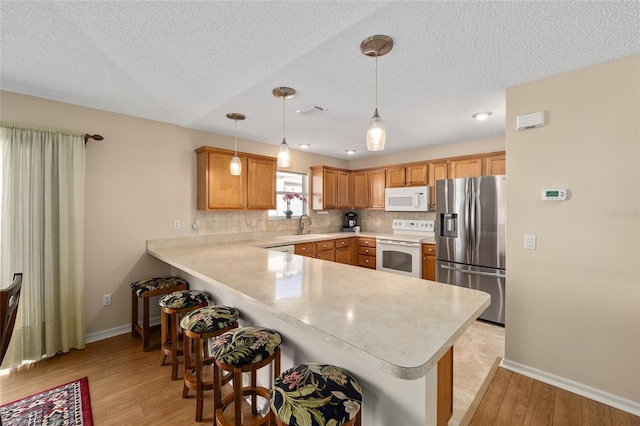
[
  {"x": 326, "y": 250},
  {"x": 346, "y": 251},
  {"x": 367, "y": 252},
  {"x": 429, "y": 262},
  {"x": 445, "y": 388},
  {"x": 305, "y": 249}
]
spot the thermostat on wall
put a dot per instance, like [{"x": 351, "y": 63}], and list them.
[{"x": 553, "y": 194}]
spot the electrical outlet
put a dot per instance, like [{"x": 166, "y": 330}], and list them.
[
  {"x": 106, "y": 300},
  {"x": 243, "y": 226},
  {"x": 177, "y": 225}
]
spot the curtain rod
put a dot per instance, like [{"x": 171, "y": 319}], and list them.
[{"x": 87, "y": 136}]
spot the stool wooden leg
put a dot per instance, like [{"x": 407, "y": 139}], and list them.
[
  {"x": 237, "y": 395},
  {"x": 217, "y": 390},
  {"x": 145, "y": 323},
  {"x": 174, "y": 346},
  {"x": 164, "y": 324},
  {"x": 199, "y": 376},
  {"x": 187, "y": 343},
  {"x": 134, "y": 314}
]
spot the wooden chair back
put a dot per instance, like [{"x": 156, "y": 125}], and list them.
[{"x": 9, "y": 299}]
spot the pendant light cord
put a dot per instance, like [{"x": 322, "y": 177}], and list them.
[
  {"x": 376, "y": 80},
  {"x": 235, "y": 136},
  {"x": 284, "y": 100}
]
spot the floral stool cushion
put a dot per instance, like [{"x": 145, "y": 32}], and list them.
[
  {"x": 183, "y": 299},
  {"x": 209, "y": 319},
  {"x": 157, "y": 283},
  {"x": 246, "y": 345},
  {"x": 315, "y": 395}
]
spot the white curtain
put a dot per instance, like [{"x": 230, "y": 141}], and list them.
[{"x": 42, "y": 236}]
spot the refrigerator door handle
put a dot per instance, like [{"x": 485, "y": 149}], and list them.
[{"x": 484, "y": 274}]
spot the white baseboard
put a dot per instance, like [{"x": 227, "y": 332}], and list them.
[
  {"x": 112, "y": 332},
  {"x": 607, "y": 398}
]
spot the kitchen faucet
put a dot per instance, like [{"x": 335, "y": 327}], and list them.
[{"x": 301, "y": 225}]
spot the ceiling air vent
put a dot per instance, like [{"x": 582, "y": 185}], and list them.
[{"x": 311, "y": 110}]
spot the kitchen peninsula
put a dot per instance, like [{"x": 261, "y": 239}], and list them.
[{"x": 388, "y": 330}]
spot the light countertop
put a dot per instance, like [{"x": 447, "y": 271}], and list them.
[{"x": 397, "y": 324}]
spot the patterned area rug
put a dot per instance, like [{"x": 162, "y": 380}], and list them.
[{"x": 67, "y": 405}]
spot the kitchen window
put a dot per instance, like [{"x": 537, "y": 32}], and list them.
[{"x": 293, "y": 183}]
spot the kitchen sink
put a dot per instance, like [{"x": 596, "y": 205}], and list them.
[{"x": 302, "y": 237}]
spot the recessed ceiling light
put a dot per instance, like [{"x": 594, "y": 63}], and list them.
[
  {"x": 482, "y": 115},
  {"x": 350, "y": 151},
  {"x": 304, "y": 145}
]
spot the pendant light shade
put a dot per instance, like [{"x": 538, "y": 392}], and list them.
[
  {"x": 235, "y": 167},
  {"x": 378, "y": 45},
  {"x": 284, "y": 157},
  {"x": 376, "y": 133}
]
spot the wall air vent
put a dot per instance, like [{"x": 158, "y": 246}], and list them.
[{"x": 311, "y": 110}]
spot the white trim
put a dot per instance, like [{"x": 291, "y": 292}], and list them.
[
  {"x": 112, "y": 332},
  {"x": 607, "y": 398}
]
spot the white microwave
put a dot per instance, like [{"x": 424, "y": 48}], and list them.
[{"x": 407, "y": 199}]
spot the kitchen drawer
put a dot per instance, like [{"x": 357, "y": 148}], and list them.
[
  {"x": 344, "y": 242},
  {"x": 305, "y": 249},
  {"x": 367, "y": 261},
  {"x": 326, "y": 255},
  {"x": 429, "y": 249},
  {"x": 325, "y": 245},
  {"x": 367, "y": 251},
  {"x": 367, "y": 242}
]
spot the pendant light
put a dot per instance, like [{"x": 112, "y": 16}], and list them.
[
  {"x": 284, "y": 157},
  {"x": 377, "y": 45},
  {"x": 236, "y": 166}
]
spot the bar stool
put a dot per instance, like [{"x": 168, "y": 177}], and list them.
[
  {"x": 245, "y": 349},
  {"x": 172, "y": 307},
  {"x": 316, "y": 394},
  {"x": 197, "y": 327},
  {"x": 147, "y": 289}
]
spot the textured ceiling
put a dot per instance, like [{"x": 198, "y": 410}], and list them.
[{"x": 191, "y": 63}]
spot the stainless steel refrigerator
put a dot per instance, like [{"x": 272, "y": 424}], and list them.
[{"x": 470, "y": 237}]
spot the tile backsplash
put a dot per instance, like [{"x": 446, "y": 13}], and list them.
[{"x": 256, "y": 221}]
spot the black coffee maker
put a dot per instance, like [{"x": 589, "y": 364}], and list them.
[{"x": 350, "y": 220}]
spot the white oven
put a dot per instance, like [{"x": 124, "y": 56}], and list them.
[
  {"x": 401, "y": 252},
  {"x": 398, "y": 256}
]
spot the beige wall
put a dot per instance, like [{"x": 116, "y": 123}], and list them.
[
  {"x": 573, "y": 305},
  {"x": 138, "y": 180}
]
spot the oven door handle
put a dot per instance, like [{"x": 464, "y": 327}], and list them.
[{"x": 397, "y": 243}]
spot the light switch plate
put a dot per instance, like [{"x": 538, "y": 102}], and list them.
[{"x": 529, "y": 241}]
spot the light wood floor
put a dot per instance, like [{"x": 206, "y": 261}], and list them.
[
  {"x": 513, "y": 399},
  {"x": 128, "y": 387}
]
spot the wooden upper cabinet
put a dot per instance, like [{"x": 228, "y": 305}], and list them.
[
  {"x": 465, "y": 167},
  {"x": 343, "y": 193},
  {"x": 437, "y": 170},
  {"x": 361, "y": 189},
  {"x": 406, "y": 175},
  {"x": 395, "y": 177},
  {"x": 376, "y": 180},
  {"x": 218, "y": 189},
  {"x": 495, "y": 165},
  {"x": 261, "y": 183},
  {"x": 330, "y": 188}
]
